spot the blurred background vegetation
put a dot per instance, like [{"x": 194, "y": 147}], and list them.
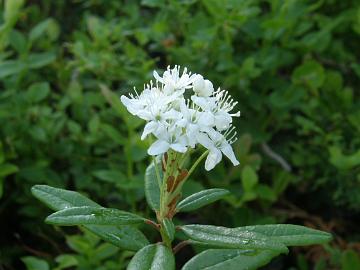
[{"x": 293, "y": 65}]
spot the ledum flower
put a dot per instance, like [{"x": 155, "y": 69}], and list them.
[{"x": 181, "y": 111}]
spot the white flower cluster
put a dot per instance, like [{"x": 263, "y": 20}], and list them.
[{"x": 183, "y": 110}]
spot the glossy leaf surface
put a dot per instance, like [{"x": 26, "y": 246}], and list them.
[
  {"x": 231, "y": 238},
  {"x": 87, "y": 215},
  {"x": 290, "y": 235},
  {"x": 229, "y": 259},
  {"x": 153, "y": 257},
  {"x": 201, "y": 199},
  {"x": 152, "y": 190},
  {"x": 58, "y": 199}
]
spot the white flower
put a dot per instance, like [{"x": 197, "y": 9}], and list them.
[
  {"x": 172, "y": 80},
  {"x": 203, "y": 88},
  {"x": 189, "y": 122},
  {"x": 179, "y": 121},
  {"x": 217, "y": 144},
  {"x": 167, "y": 138},
  {"x": 218, "y": 108}
]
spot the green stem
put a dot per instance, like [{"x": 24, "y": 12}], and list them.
[
  {"x": 196, "y": 163},
  {"x": 165, "y": 238},
  {"x": 157, "y": 172}
]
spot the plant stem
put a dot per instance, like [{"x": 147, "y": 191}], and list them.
[
  {"x": 157, "y": 172},
  {"x": 196, "y": 163},
  {"x": 179, "y": 246}
]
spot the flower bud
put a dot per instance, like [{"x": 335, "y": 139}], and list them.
[{"x": 198, "y": 84}]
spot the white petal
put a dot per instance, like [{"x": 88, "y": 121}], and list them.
[
  {"x": 205, "y": 103},
  {"x": 157, "y": 77},
  {"x": 158, "y": 147},
  {"x": 132, "y": 105},
  {"x": 204, "y": 140},
  {"x": 222, "y": 120},
  {"x": 198, "y": 84},
  {"x": 206, "y": 119},
  {"x": 228, "y": 151},
  {"x": 178, "y": 147},
  {"x": 149, "y": 128},
  {"x": 213, "y": 158},
  {"x": 208, "y": 89}
]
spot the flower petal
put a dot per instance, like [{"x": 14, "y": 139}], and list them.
[
  {"x": 228, "y": 151},
  {"x": 158, "y": 147},
  {"x": 149, "y": 128},
  {"x": 178, "y": 147},
  {"x": 204, "y": 140},
  {"x": 213, "y": 158}
]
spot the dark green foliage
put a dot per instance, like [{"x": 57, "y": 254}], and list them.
[{"x": 292, "y": 65}]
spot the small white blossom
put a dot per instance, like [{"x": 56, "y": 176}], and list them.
[
  {"x": 168, "y": 138},
  {"x": 217, "y": 144},
  {"x": 172, "y": 80},
  {"x": 179, "y": 121},
  {"x": 203, "y": 88}
]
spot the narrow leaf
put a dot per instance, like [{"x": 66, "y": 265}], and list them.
[
  {"x": 201, "y": 199},
  {"x": 169, "y": 228},
  {"x": 33, "y": 263},
  {"x": 58, "y": 199},
  {"x": 86, "y": 215},
  {"x": 230, "y": 259},
  {"x": 125, "y": 237},
  {"x": 153, "y": 257},
  {"x": 152, "y": 190},
  {"x": 7, "y": 168},
  {"x": 231, "y": 238},
  {"x": 290, "y": 235}
]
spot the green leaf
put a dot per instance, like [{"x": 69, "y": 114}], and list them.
[
  {"x": 11, "y": 67},
  {"x": 33, "y": 263},
  {"x": 7, "y": 168},
  {"x": 42, "y": 28},
  {"x": 311, "y": 73},
  {"x": 249, "y": 178},
  {"x": 341, "y": 161},
  {"x": 116, "y": 104},
  {"x": 18, "y": 41},
  {"x": 153, "y": 257},
  {"x": 58, "y": 199},
  {"x": 153, "y": 3},
  {"x": 113, "y": 133},
  {"x": 11, "y": 10},
  {"x": 152, "y": 190},
  {"x": 38, "y": 91},
  {"x": 2, "y": 154},
  {"x": 66, "y": 261},
  {"x": 124, "y": 237},
  {"x": 288, "y": 234},
  {"x": 169, "y": 228},
  {"x": 201, "y": 199},
  {"x": 231, "y": 238},
  {"x": 38, "y": 60},
  {"x": 110, "y": 176},
  {"x": 350, "y": 260},
  {"x": 230, "y": 259},
  {"x": 86, "y": 215}
]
